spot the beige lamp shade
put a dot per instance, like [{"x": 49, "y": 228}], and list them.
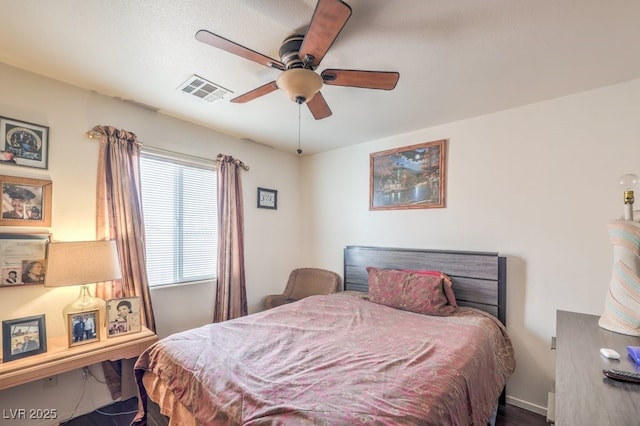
[
  {"x": 299, "y": 84},
  {"x": 81, "y": 262}
]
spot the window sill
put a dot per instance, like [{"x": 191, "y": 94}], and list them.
[{"x": 188, "y": 283}]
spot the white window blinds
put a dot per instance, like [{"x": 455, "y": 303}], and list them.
[{"x": 180, "y": 218}]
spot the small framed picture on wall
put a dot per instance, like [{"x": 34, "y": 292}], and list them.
[
  {"x": 23, "y": 144},
  {"x": 267, "y": 198},
  {"x": 23, "y": 259},
  {"x": 25, "y": 202}
]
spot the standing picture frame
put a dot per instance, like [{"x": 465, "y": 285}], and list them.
[
  {"x": 23, "y": 337},
  {"x": 23, "y": 144},
  {"x": 412, "y": 177},
  {"x": 267, "y": 199},
  {"x": 23, "y": 259},
  {"x": 83, "y": 327},
  {"x": 123, "y": 316},
  {"x": 25, "y": 202}
]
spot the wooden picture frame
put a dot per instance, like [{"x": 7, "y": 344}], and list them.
[
  {"x": 25, "y": 202},
  {"x": 83, "y": 327},
  {"x": 23, "y": 259},
  {"x": 23, "y": 144},
  {"x": 23, "y": 337},
  {"x": 412, "y": 177},
  {"x": 267, "y": 199},
  {"x": 123, "y": 316}
]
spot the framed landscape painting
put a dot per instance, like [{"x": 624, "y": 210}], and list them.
[{"x": 412, "y": 177}]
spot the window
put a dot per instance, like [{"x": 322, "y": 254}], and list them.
[{"x": 180, "y": 218}]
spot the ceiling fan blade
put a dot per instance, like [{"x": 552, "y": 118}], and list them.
[
  {"x": 215, "y": 40},
  {"x": 365, "y": 79},
  {"x": 318, "y": 107},
  {"x": 255, "y": 93},
  {"x": 328, "y": 19}
]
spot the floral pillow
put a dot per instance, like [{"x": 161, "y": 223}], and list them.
[
  {"x": 422, "y": 292},
  {"x": 446, "y": 281}
]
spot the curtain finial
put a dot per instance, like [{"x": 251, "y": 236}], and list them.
[{"x": 92, "y": 134}]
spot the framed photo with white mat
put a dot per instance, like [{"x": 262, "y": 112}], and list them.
[{"x": 123, "y": 316}]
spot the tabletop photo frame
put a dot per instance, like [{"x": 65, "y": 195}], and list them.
[
  {"x": 23, "y": 337},
  {"x": 83, "y": 327},
  {"x": 123, "y": 316}
]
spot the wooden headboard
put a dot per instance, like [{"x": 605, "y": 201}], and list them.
[{"x": 479, "y": 278}]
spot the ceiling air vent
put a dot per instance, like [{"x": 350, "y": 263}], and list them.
[{"x": 203, "y": 89}]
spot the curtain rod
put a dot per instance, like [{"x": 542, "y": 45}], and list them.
[
  {"x": 172, "y": 155},
  {"x": 92, "y": 134},
  {"x": 239, "y": 163}
]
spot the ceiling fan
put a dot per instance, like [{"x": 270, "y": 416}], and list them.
[{"x": 300, "y": 55}]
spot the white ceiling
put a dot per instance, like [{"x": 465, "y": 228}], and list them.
[{"x": 456, "y": 59}]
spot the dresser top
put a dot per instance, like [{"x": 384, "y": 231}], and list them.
[{"x": 584, "y": 396}]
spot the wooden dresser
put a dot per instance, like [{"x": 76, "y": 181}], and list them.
[{"x": 584, "y": 396}]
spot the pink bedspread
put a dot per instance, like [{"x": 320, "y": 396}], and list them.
[{"x": 337, "y": 360}]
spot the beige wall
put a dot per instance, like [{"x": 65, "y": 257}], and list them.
[
  {"x": 272, "y": 237},
  {"x": 536, "y": 183}
]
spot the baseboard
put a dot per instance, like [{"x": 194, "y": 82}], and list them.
[
  {"x": 525, "y": 405},
  {"x": 551, "y": 407}
]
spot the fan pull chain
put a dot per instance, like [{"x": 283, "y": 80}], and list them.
[{"x": 299, "y": 151}]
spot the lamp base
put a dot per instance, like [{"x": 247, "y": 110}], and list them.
[
  {"x": 86, "y": 303},
  {"x": 622, "y": 304}
]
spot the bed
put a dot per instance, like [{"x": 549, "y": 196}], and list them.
[{"x": 346, "y": 358}]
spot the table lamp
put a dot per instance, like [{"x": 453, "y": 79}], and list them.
[
  {"x": 82, "y": 263},
  {"x": 622, "y": 305}
]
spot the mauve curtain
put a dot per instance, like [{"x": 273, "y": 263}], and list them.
[
  {"x": 119, "y": 218},
  {"x": 231, "y": 293}
]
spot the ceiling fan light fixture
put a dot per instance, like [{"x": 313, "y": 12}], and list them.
[{"x": 299, "y": 84}]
